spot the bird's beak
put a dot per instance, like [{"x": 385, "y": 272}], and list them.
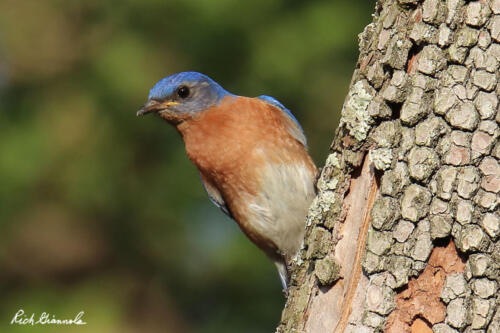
[{"x": 155, "y": 106}]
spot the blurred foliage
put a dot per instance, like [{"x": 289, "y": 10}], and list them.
[{"x": 101, "y": 211}]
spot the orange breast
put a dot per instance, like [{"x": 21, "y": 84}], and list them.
[{"x": 231, "y": 142}]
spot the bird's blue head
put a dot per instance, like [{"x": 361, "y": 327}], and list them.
[{"x": 182, "y": 95}]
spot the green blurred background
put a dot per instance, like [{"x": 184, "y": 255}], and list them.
[{"x": 101, "y": 211}]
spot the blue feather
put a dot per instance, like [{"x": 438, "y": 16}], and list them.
[
  {"x": 296, "y": 133},
  {"x": 167, "y": 85},
  {"x": 205, "y": 91}
]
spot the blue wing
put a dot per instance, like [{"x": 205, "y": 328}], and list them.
[
  {"x": 295, "y": 130},
  {"x": 215, "y": 196}
]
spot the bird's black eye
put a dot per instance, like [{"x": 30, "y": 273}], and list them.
[{"x": 183, "y": 91}]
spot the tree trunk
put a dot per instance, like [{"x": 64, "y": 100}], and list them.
[{"x": 403, "y": 235}]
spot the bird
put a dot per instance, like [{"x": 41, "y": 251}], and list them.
[{"x": 251, "y": 154}]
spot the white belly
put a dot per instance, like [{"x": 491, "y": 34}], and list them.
[{"x": 280, "y": 208}]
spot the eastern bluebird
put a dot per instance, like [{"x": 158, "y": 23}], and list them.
[{"x": 252, "y": 157}]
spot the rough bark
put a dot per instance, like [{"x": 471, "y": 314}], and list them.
[{"x": 404, "y": 233}]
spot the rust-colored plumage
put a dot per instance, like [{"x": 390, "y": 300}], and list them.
[{"x": 231, "y": 142}]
